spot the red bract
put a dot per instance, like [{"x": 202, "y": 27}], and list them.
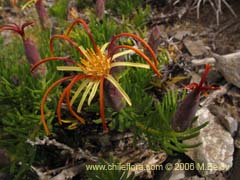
[
  {"x": 95, "y": 66},
  {"x": 30, "y": 48},
  {"x": 15, "y": 28},
  {"x": 188, "y": 107}
]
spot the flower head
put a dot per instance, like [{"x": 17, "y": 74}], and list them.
[
  {"x": 16, "y": 28},
  {"x": 94, "y": 68},
  {"x": 200, "y": 87},
  {"x": 30, "y": 48}
]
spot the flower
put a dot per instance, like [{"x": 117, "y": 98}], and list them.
[{"x": 94, "y": 68}]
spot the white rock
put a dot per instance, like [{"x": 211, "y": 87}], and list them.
[
  {"x": 229, "y": 68},
  {"x": 216, "y": 151},
  {"x": 195, "y": 48}
]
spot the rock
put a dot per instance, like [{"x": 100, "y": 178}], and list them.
[
  {"x": 226, "y": 117},
  {"x": 173, "y": 173},
  {"x": 217, "y": 176},
  {"x": 214, "y": 77},
  {"x": 163, "y": 31},
  {"x": 181, "y": 34},
  {"x": 231, "y": 124},
  {"x": 195, "y": 48},
  {"x": 194, "y": 178},
  {"x": 177, "y": 173},
  {"x": 235, "y": 173},
  {"x": 234, "y": 96},
  {"x": 229, "y": 68},
  {"x": 216, "y": 151}
]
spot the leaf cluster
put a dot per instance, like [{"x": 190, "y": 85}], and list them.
[
  {"x": 20, "y": 98},
  {"x": 158, "y": 129},
  {"x": 151, "y": 117}
]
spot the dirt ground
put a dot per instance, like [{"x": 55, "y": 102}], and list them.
[{"x": 223, "y": 38}]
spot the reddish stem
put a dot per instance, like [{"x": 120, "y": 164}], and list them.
[
  {"x": 144, "y": 43},
  {"x": 45, "y": 98},
  {"x": 204, "y": 77},
  {"x": 52, "y": 59},
  {"x": 69, "y": 87},
  {"x": 101, "y": 101},
  {"x": 140, "y": 53},
  {"x": 71, "y": 42},
  {"x": 85, "y": 26}
]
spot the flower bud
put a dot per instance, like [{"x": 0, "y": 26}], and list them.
[{"x": 100, "y": 8}]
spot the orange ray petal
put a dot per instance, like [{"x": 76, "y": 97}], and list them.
[
  {"x": 204, "y": 76},
  {"x": 69, "y": 87},
  {"x": 101, "y": 101},
  {"x": 144, "y": 43},
  {"x": 85, "y": 26},
  {"x": 140, "y": 53},
  {"x": 71, "y": 42},
  {"x": 45, "y": 98},
  {"x": 59, "y": 106},
  {"x": 53, "y": 59}
]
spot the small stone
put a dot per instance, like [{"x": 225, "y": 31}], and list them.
[
  {"x": 226, "y": 117},
  {"x": 194, "y": 178},
  {"x": 105, "y": 140},
  {"x": 163, "y": 33},
  {"x": 229, "y": 68},
  {"x": 177, "y": 174},
  {"x": 195, "y": 48},
  {"x": 181, "y": 34},
  {"x": 216, "y": 151},
  {"x": 232, "y": 124},
  {"x": 214, "y": 76}
]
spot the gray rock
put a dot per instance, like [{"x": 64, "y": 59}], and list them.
[
  {"x": 163, "y": 33},
  {"x": 229, "y": 68},
  {"x": 216, "y": 151},
  {"x": 177, "y": 174},
  {"x": 181, "y": 34},
  {"x": 194, "y": 178},
  {"x": 226, "y": 116},
  {"x": 195, "y": 48}
]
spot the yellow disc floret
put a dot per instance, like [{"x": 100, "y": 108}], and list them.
[{"x": 96, "y": 64}]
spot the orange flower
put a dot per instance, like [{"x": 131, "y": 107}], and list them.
[{"x": 94, "y": 68}]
